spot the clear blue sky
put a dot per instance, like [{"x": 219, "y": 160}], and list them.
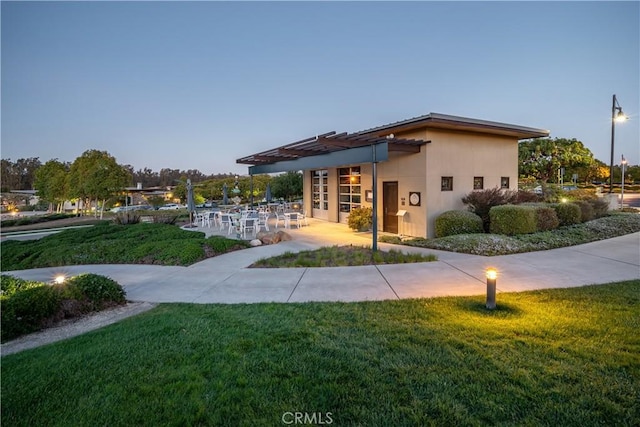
[{"x": 197, "y": 85}]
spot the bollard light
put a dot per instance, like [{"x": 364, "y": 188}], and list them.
[
  {"x": 491, "y": 274},
  {"x": 59, "y": 279}
]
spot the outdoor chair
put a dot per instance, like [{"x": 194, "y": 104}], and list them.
[
  {"x": 226, "y": 221},
  {"x": 249, "y": 224}
]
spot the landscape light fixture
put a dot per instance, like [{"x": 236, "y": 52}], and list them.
[
  {"x": 492, "y": 275},
  {"x": 59, "y": 279},
  {"x": 616, "y": 116}
]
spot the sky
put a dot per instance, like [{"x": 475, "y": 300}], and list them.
[{"x": 197, "y": 85}]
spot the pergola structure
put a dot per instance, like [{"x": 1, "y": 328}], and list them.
[{"x": 332, "y": 149}]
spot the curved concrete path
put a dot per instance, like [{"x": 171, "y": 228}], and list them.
[{"x": 226, "y": 279}]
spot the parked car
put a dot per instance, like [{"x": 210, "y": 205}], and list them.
[{"x": 169, "y": 207}]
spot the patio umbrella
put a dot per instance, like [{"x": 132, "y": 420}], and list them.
[
  {"x": 191, "y": 206},
  {"x": 225, "y": 196},
  {"x": 267, "y": 194}
]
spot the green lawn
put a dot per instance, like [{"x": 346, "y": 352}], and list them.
[
  {"x": 116, "y": 244},
  {"x": 567, "y": 357},
  {"x": 341, "y": 256}
]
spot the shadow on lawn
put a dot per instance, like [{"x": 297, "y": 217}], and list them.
[{"x": 478, "y": 307}]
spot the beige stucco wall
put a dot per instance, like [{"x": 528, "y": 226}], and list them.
[{"x": 465, "y": 156}]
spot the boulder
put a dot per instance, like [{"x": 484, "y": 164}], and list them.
[
  {"x": 256, "y": 242},
  {"x": 283, "y": 237}
]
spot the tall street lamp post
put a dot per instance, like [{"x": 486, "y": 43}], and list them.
[
  {"x": 616, "y": 116},
  {"x": 623, "y": 163}
]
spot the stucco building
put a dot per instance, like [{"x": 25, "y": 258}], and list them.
[{"x": 418, "y": 167}]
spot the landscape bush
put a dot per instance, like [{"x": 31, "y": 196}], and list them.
[
  {"x": 513, "y": 219},
  {"x": 100, "y": 291},
  {"x": 600, "y": 207},
  {"x": 568, "y": 213},
  {"x": 360, "y": 219},
  {"x": 480, "y": 202},
  {"x": 457, "y": 222},
  {"x": 36, "y": 219},
  {"x": 29, "y": 306},
  {"x": 127, "y": 217},
  {"x": 28, "y": 310},
  {"x": 586, "y": 210},
  {"x": 546, "y": 218}
]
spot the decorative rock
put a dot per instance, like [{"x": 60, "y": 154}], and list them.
[
  {"x": 284, "y": 237},
  {"x": 270, "y": 239},
  {"x": 256, "y": 242}
]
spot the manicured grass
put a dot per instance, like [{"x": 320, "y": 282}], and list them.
[
  {"x": 334, "y": 256},
  {"x": 116, "y": 244},
  {"x": 568, "y": 357},
  {"x": 496, "y": 244}
]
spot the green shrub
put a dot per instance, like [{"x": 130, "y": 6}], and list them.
[
  {"x": 28, "y": 310},
  {"x": 513, "y": 219},
  {"x": 126, "y": 218},
  {"x": 600, "y": 207},
  {"x": 586, "y": 210},
  {"x": 36, "y": 219},
  {"x": 221, "y": 245},
  {"x": 9, "y": 285},
  {"x": 360, "y": 219},
  {"x": 546, "y": 218},
  {"x": 100, "y": 291},
  {"x": 390, "y": 239},
  {"x": 568, "y": 213},
  {"x": 457, "y": 222}
]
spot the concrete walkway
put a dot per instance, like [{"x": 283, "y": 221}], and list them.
[{"x": 226, "y": 279}]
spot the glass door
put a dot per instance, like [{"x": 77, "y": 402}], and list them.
[{"x": 320, "y": 194}]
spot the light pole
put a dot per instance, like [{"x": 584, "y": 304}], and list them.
[
  {"x": 616, "y": 116},
  {"x": 623, "y": 163}
]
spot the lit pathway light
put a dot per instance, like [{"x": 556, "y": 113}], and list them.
[{"x": 492, "y": 274}]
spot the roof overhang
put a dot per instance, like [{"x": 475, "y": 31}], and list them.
[
  {"x": 457, "y": 123},
  {"x": 332, "y": 149},
  {"x": 364, "y": 154}
]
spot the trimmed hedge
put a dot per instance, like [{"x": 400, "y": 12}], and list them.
[
  {"x": 457, "y": 222},
  {"x": 513, "y": 219},
  {"x": 568, "y": 213}
]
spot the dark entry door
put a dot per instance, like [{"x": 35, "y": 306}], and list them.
[{"x": 390, "y": 206}]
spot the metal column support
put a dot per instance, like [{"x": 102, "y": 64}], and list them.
[
  {"x": 374, "y": 174},
  {"x": 251, "y": 189}
]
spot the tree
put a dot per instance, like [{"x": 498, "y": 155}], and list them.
[
  {"x": 96, "y": 175},
  {"x": 287, "y": 186},
  {"x": 51, "y": 183},
  {"x": 541, "y": 158},
  {"x": 19, "y": 175}
]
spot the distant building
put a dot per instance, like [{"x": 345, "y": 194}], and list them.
[{"x": 423, "y": 166}]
